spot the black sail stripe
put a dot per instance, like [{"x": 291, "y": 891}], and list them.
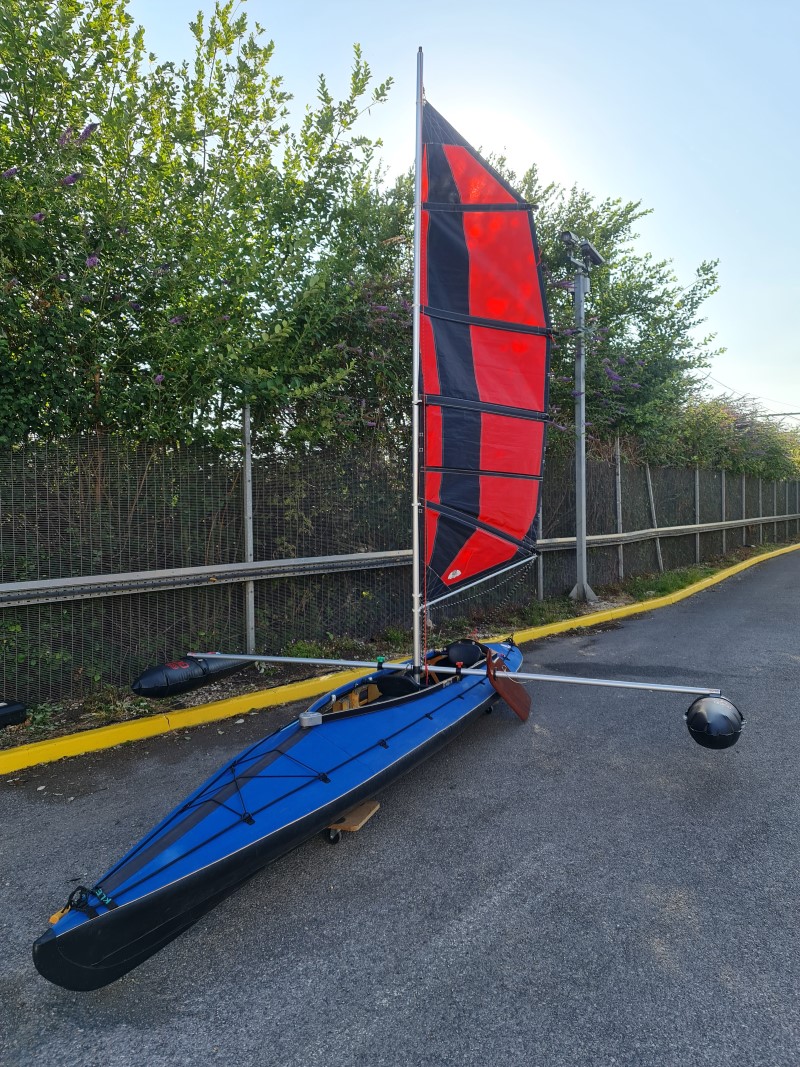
[{"x": 448, "y": 288}]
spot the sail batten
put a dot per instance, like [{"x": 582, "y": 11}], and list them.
[{"x": 484, "y": 340}]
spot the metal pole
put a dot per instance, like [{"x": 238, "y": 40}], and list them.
[
  {"x": 722, "y": 498},
  {"x": 744, "y": 511},
  {"x": 760, "y": 512},
  {"x": 697, "y": 512},
  {"x": 249, "y": 586},
  {"x": 618, "y": 486},
  {"x": 786, "y": 512},
  {"x": 566, "y": 679},
  {"x": 774, "y": 511},
  {"x": 540, "y": 557},
  {"x": 582, "y": 590},
  {"x": 417, "y": 605},
  {"x": 653, "y": 519}
]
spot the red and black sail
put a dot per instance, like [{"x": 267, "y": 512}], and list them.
[{"x": 484, "y": 358}]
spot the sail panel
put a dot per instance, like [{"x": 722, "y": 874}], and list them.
[
  {"x": 475, "y": 184},
  {"x": 469, "y": 363},
  {"x": 484, "y": 358}
]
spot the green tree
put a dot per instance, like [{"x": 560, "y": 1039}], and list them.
[
  {"x": 642, "y": 345},
  {"x": 164, "y": 230}
]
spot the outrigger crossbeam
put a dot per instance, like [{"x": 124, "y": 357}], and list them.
[{"x": 517, "y": 676}]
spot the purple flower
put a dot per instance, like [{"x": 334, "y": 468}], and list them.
[
  {"x": 176, "y": 320},
  {"x": 612, "y": 374},
  {"x": 93, "y": 260},
  {"x": 86, "y": 299},
  {"x": 65, "y": 137},
  {"x": 224, "y": 318},
  {"x": 621, "y": 359},
  {"x": 10, "y": 172},
  {"x": 616, "y": 386},
  {"x": 159, "y": 378},
  {"x": 134, "y": 305},
  {"x": 70, "y": 179},
  {"x": 87, "y": 132},
  {"x": 63, "y": 277},
  {"x": 379, "y": 307},
  {"x": 38, "y": 217}
]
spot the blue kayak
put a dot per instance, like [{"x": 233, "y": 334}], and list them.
[{"x": 269, "y": 799}]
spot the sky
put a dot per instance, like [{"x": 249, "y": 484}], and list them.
[{"x": 689, "y": 106}]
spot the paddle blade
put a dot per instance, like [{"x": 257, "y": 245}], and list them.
[{"x": 514, "y": 694}]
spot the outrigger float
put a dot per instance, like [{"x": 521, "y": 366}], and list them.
[{"x": 480, "y": 372}]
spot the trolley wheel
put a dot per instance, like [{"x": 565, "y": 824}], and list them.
[{"x": 333, "y": 837}]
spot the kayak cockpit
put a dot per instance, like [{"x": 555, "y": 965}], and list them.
[{"x": 386, "y": 685}]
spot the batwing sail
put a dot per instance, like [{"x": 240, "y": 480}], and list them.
[{"x": 484, "y": 340}]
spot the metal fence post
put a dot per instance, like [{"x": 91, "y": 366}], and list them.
[
  {"x": 697, "y": 512},
  {"x": 539, "y": 559},
  {"x": 760, "y": 511},
  {"x": 618, "y": 476},
  {"x": 653, "y": 517},
  {"x": 786, "y": 512},
  {"x": 722, "y": 497},
  {"x": 249, "y": 586},
  {"x": 775, "y": 511},
  {"x": 744, "y": 511}
]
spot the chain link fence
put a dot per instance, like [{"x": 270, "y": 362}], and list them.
[{"x": 114, "y": 557}]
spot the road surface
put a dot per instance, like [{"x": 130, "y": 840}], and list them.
[{"x": 587, "y": 889}]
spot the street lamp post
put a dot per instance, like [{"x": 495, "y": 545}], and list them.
[{"x": 582, "y": 255}]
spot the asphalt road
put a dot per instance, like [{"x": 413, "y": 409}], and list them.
[{"x": 589, "y": 888}]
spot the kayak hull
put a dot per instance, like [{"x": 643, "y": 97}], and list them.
[{"x": 84, "y": 951}]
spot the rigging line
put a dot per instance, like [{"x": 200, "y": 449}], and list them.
[
  {"x": 128, "y": 888},
  {"x": 219, "y": 781},
  {"x": 742, "y": 396}
]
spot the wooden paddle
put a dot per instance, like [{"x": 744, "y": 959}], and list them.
[{"x": 514, "y": 694}]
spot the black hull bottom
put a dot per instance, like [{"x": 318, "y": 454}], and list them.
[{"x": 103, "y": 949}]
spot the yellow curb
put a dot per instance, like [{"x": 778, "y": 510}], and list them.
[
  {"x": 31, "y": 755},
  {"x": 38, "y": 752}
]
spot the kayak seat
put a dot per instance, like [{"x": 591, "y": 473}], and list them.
[
  {"x": 467, "y": 653},
  {"x": 396, "y": 685}
]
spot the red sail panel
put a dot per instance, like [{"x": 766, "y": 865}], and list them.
[{"x": 484, "y": 360}]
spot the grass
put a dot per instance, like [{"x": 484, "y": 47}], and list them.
[{"x": 648, "y": 586}]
